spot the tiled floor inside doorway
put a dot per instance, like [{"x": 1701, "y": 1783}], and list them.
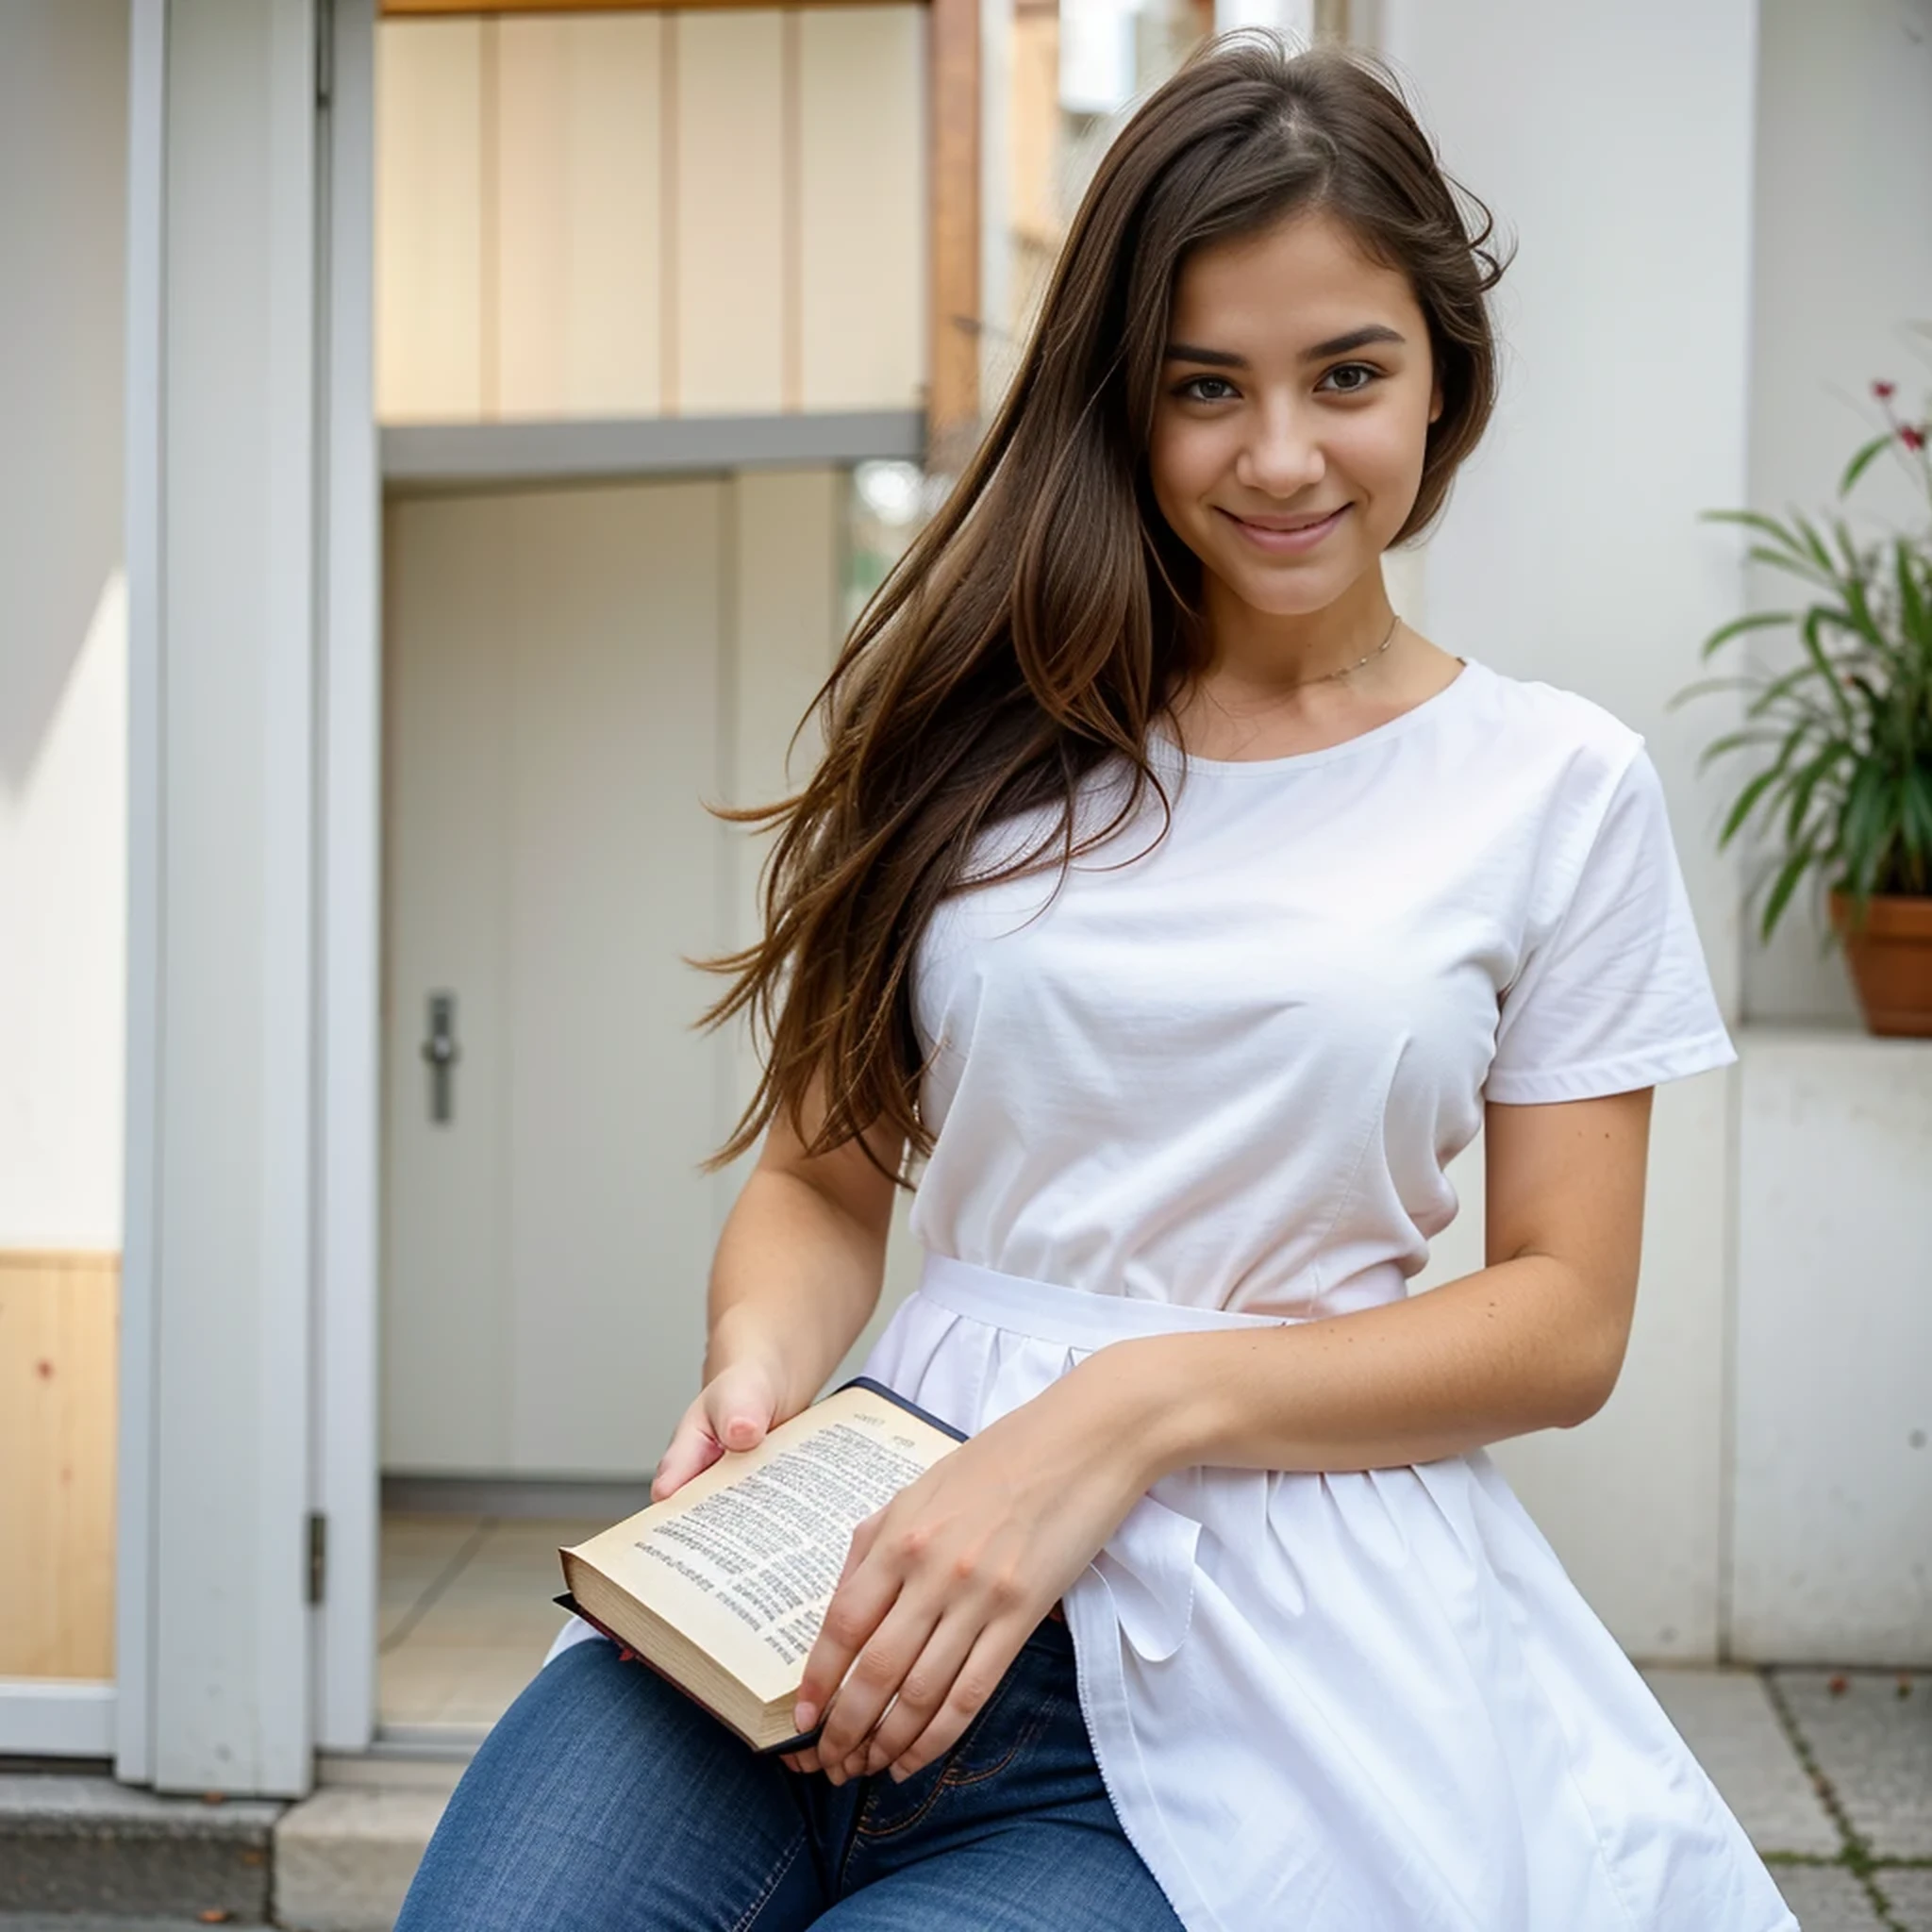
[{"x": 466, "y": 1616}]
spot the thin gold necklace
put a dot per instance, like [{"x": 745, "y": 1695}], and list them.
[{"x": 1346, "y": 670}]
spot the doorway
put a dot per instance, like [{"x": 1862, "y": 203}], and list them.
[{"x": 571, "y": 674}]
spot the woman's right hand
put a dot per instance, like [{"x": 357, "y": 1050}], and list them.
[{"x": 733, "y": 1410}]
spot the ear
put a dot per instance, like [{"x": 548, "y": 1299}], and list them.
[{"x": 1435, "y": 401}]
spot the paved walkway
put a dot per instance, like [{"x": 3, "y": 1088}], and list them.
[{"x": 1831, "y": 1775}]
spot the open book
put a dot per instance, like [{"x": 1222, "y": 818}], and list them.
[{"x": 722, "y": 1586}]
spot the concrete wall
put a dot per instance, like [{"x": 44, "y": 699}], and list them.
[
  {"x": 1571, "y": 553},
  {"x": 63, "y": 642},
  {"x": 1843, "y": 248}
]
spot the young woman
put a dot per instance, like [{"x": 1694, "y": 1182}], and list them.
[{"x": 1185, "y": 912}]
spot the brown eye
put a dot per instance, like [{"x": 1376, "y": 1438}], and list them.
[
  {"x": 1190, "y": 390},
  {"x": 1362, "y": 376}
]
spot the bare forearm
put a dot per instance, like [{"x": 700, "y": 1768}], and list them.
[
  {"x": 794, "y": 1279},
  {"x": 1497, "y": 1353}
]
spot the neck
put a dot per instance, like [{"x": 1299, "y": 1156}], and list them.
[{"x": 1260, "y": 652}]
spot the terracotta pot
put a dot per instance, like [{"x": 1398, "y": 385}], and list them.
[{"x": 1891, "y": 957}]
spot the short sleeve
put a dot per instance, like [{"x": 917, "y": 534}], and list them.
[{"x": 1614, "y": 994}]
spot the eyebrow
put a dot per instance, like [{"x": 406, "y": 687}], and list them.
[{"x": 1336, "y": 345}]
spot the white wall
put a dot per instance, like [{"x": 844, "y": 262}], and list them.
[
  {"x": 1615, "y": 143},
  {"x": 1843, "y": 260},
  {"x": 63, "y": 640},
  {"x": 1833, "y": 1519}
]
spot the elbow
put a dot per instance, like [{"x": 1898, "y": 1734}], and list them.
[{"x": 1593, "y": 1379}]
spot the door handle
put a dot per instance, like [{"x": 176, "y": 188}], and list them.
[{"x": 441, "y": 1052}]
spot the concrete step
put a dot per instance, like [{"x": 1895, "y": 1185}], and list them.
[
  {"x": 72, "y": 1844},
  {"x": 99, "y": 1922},
  {"x": 343, "y": 1858}
]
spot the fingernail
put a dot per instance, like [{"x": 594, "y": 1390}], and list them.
[
  {"x": 900, "y": 1774},
  {"x": 804, "y": 1716}
]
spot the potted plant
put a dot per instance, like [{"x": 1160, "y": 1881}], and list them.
[{"x": 1843, "y": 784}]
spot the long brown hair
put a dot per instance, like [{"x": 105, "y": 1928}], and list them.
[{"x": 1042, "y": 618}]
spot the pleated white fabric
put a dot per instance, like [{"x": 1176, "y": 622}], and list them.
[{"x": 1347, "y": 1703}]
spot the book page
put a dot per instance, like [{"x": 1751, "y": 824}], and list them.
[
  {"x": 760, "y": 1538},
  {"x": 768, "y": 1550}
]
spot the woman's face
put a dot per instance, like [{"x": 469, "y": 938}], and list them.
[{"x": 1294, "y": 404}]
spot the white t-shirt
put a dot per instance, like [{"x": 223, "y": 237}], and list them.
[
  {"x": 1230, "y": 1070},
  {"x": 1223, "y": 1073},
  {"x": 1215, "y": 1080}
]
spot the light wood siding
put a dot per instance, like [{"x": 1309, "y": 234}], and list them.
[
  {"x": 59, "y": 1330},
  {"x": 429, "y": 221},
  {"x": 862, "y": 188},
  {"x": 731, "y": 293},
  {"x": 684, "y": 212},
  {"x": 579, "y": 189}
]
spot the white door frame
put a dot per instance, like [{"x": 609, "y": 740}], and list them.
[
  {"x": 349, "y": 961},
  {"x": 214, "y": 1636}
]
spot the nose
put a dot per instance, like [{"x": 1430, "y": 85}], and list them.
[{"x": 1283, "y": 457}]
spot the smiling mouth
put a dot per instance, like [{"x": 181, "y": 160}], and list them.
[
  {"x": 1296, "y": 536},
  {"x": 1293, "y": 523}
]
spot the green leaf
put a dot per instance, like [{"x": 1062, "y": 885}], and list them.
[
  {"x": 1758, "y": 620},
  {"x": 1915, "y": 618},
  {"x": 1710, "y": 686},
  {"x": 1826, "y": 670},
  {"x": 1805, "y": 784},
  {"x": 1789, "y": 873},
  {"x": 1797, "y": 566},
  {"x": 1735, "y": 740},
  {"x": 1861, "y": 825},
  {"x": 1815, "y": 544},
  {"x": 1862, "y": 461},
  {"x": 1756, "y": 520},
  {"x": 1741, "y": 809}
]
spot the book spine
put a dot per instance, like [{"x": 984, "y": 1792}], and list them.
[
  {"x": 628, "y": 1656},
  {"x": 898, "y": 1401}
]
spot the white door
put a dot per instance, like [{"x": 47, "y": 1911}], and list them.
[{"x": 556, "y": 716}]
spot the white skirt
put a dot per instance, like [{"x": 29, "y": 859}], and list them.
[{"x": 1364, "y": 1702}]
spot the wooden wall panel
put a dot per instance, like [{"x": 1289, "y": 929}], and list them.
[
  {"x": 579, "y": 287},
  {"x": 953, "y": 318},
  {"x": 862, "y": 201},
  {"x": 727, "y": 252},
  {"x": 430, "y": 223},
  {"x": 674, "y": 213},
  {"x": 60, "y": 1320}
]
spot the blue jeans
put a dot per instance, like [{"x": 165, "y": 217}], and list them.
[{"x": 604, "y": 1801}]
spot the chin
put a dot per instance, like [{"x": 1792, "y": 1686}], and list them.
[{"x": 1286, "y": 593}]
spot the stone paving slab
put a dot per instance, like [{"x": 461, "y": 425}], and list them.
[
  {"x": 1909, "y": 1891},
  {"x": 1827, "y": 1898},
  {"x": 1876, "y": 1747},
  {"x": 1727, "y": 1720}
]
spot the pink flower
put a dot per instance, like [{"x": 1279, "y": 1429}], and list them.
[
  {"x": 1912, "y": 439},
  {"x": 1884, "y": 391}
]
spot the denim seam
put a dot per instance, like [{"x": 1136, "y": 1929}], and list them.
[
  {"x": 770, "y": 1886},
  {"x": 948, "y": 1782}
]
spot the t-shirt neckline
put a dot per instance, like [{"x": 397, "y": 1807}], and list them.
[{"x": 1161, "y": 744}]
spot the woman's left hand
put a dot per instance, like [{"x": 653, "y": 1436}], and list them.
[{"x": 942, "y": 1587}]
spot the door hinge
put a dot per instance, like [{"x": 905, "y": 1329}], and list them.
[{"x": 318, "y": 1555}]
